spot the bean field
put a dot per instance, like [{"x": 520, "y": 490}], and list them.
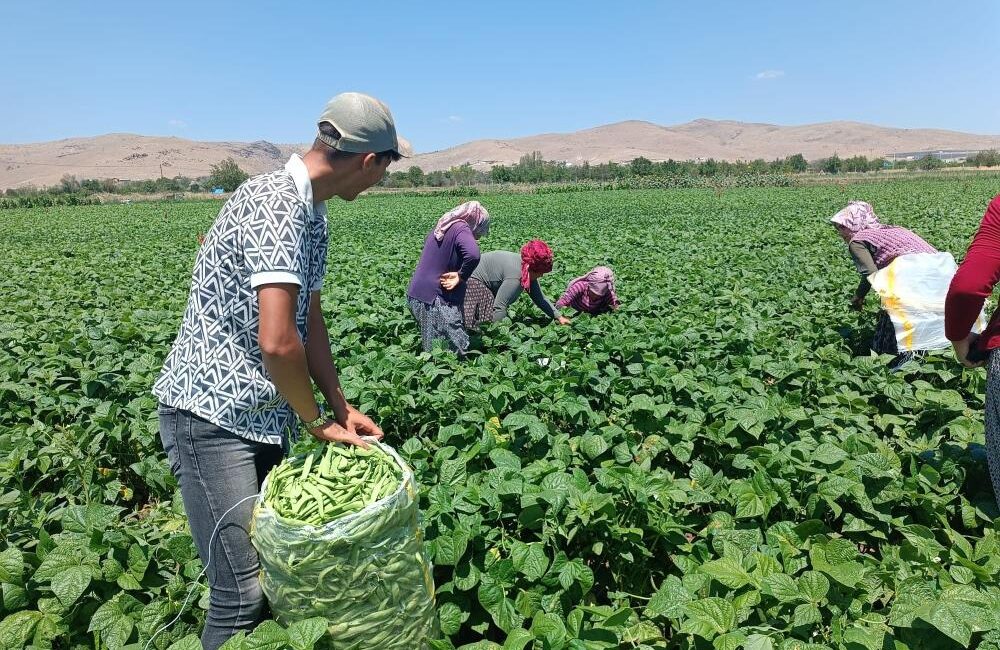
[{"x": 721, "y": 463}]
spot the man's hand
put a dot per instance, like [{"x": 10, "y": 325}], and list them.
[
  {"x": 857, "y": 302},
  {"x": 562, "y": 320},
  {"x": 358, "y": 423},
  {"x": 331, "y": 431},
  {"x": 450, "y": 280},
  {"x": 962, "y": 350}
]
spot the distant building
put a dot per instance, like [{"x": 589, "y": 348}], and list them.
[
  {"x": 218, "y": 190},
  {"x": 947, "y": 155}
]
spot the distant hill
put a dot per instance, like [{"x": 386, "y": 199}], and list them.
[
  {"x": 130, "y": 157},
  {"x": 136, "y": 157},
  {"x": 722, "y": 140}
]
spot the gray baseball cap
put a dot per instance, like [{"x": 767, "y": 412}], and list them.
[{"x": 365, "y": 124}]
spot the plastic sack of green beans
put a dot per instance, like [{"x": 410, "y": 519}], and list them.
[{"x": 365, "y": 572}]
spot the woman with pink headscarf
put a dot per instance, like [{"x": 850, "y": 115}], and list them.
[
  {"x": 502, "y": 277},
  {"x": 593, "y": 293},
  {"x": 437, "y": 288},
  {"x": 874, "y": 246}
]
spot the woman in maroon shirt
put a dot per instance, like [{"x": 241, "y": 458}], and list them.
[{"x": 972, "y": 284}]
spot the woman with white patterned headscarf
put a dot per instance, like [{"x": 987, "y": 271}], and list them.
[
  {"x": 874, "y": 246},
  {"x": 437, "y": 288}
]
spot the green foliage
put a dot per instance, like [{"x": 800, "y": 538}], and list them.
[
  {"x": 720, "y": 463},
  {"x": 930, "y": 162},
  {"x": 988, "y": 158},
  {"x": 797, "y": 163},
  {"x": 861, "y": 164},
  {"x": 641, "y": 166},
  {"x": 640, "y": 173},
  {"x": 832, "y": 165},
  {"x": 227, "y": 175},
  {"x": 45, "y": 200}
]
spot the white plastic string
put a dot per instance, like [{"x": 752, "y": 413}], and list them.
[{"x": 203, "y": 571}]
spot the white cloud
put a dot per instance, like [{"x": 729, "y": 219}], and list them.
[
  {"x": 454, "y": 118},
  {"x": 769, "y": 74},
  {"x": 177, "y": 124}
]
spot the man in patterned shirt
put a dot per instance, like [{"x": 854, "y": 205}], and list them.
[{"x": 239, "y": 377}]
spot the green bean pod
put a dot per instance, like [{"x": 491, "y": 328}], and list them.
[{"x": 337, "y": 533}]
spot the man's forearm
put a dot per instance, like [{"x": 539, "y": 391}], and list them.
[
  {"x": 289, "y": 372},
  {"x": 322, "y": 368}
]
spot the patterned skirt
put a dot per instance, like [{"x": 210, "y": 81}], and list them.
[
  {"x": 884, "y": 341},
  {"x": 993, "y": 420},
  {"x": 439, "y": 322},
  {"x": 478, "y": 306}
]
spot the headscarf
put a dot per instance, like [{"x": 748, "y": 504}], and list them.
[
  {"x": 472, "y": 213},
  {"x": 535, "y": 256},
  {"x": 600, "y": 280},
  {"x": 857, "y": 216}
]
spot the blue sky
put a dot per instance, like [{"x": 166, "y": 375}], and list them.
[{"x": 453, "y": 72}]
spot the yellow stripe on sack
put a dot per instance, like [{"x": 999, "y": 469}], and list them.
[{"x": 894, "y": 306}]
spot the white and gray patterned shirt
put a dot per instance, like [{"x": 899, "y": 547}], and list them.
[{"x": 269, "y": 231}]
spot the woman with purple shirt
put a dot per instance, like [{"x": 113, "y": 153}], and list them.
[
  {"x": 593, "y": 293},
  {"x": 437, "y": 288}
]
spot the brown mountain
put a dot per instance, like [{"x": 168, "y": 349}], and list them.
[
  {"x": 128, "y": 156},
  {"x": 722, "y": 140}
]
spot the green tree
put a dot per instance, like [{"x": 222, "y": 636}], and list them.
[
  {"x": 436, "y": 178},
  {"x": 227, "y": 175},
  {"x": 641, "y": 166},
  {"x": 501, "y": 174},
  {"x": 930, "y": 162},
  {"x": 68, "y": 183},
  {"x": 797, "y": 163},
  {"x": 463, "y": 174},
  {"x": 988, "y": 158},
  {"x": 856, "y": 164},
  {"x": 708, "y": 167},
  {"x": 415, "y": 175},
  {"x": 832, "y": 165}
]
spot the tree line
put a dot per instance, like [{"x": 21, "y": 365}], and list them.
[
  {"x": 533, "y": 168},
  {"x": 530, "y": 169},
  {"x": 226, "y": 175}
]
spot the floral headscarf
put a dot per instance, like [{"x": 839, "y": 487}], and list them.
[
  {"x": 857, "y": 216},
  {"x": 472, "y": 213},
  {"x": 601, "y": 281}
]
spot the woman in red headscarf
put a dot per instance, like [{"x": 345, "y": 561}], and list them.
[{"x": 501, "y": 277}]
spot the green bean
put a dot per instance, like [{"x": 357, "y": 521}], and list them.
[{"x": 337, "y": 534}]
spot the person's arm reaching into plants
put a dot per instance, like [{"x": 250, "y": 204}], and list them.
[
  {"x": 865, "y": 264},
  {"x": 538, "y": 297}
]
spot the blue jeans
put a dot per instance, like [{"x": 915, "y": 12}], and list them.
[{"x": 215, "y": 469}]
